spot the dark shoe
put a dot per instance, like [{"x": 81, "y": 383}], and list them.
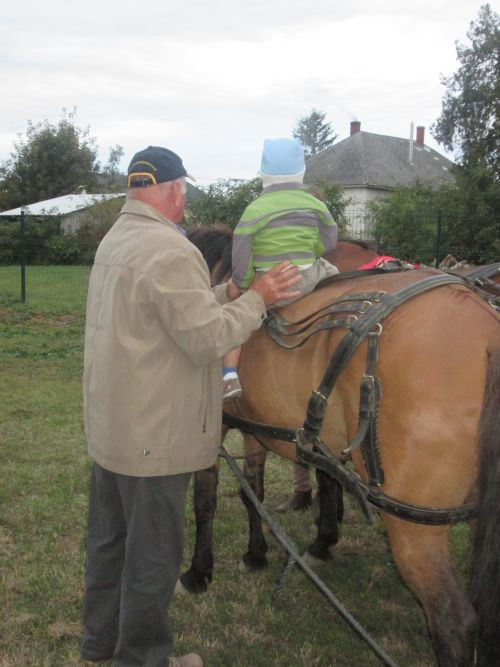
[
  {"x": 232, "y": 389},
  {"x": 299, "y": 500},
  {"x": 87, "y": 657},
  {"x": 189, "y": 660},
  {"x": 88, "y": 661}
]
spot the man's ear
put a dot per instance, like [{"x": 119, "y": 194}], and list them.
[{"x": 180, "y": 193}]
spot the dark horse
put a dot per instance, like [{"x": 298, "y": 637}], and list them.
[{"x": 438, "y": 431}]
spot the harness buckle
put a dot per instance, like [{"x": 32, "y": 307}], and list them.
[{"x": 319, "y": 395}]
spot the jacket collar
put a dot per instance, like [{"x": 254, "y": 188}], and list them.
[
  {"x": 282, "y": 186},
  {"x": 140, "y": 209}
]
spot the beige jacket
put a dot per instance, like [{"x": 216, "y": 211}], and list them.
[{"x": 155, "y": 333}]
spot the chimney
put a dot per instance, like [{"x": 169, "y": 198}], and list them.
[
  {"x": 420, "y": 135},
  {"x": 410, "y": 144},
  {"x": 355, "y": 127}
]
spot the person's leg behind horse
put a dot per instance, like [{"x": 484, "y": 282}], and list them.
[{"x": 301, "y": 498}]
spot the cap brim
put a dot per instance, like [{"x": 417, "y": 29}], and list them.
[{"x": 191, "y": 178}]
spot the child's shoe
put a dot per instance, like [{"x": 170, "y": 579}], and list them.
[{"x": 231, "y": 387}]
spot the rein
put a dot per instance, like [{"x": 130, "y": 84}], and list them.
[
  {"x": 481, "y": 282},
  {"x": 366, "y": 312}
]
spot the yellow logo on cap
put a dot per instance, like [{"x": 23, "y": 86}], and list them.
[
  {"x": 136, "y": 174},
  {"x": 144, "y": 162}
]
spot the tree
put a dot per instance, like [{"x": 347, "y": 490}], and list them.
[
  {"x": 314, "y": 133},
  {"x": 468, "y": 124},
  {"x": 406, "y": 221},
  {"x": 111, "y": 179},
  {"x": 49, "y": 161},
  {"x": 336, "y": 202},
  {"x": 224, "y": 201}
]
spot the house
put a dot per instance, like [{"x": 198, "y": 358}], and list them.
[
  {"x": 368, "y": 166},
  {"x": 72, "y": 209}
]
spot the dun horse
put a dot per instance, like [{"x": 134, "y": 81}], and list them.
[{"x": 437, "y": 438}]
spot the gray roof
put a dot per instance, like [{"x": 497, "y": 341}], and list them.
[
  {"x": 62, "y": 205},
  {"x": 375, "y": 160}
]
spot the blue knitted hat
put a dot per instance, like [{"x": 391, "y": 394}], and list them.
[{"x": 281, "y": 157}]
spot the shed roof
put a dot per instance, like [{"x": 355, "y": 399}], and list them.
[
  {"x": 62, "y": 205},
  {"x": 380, "y": 161}
]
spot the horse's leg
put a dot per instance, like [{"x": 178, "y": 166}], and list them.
[
  {"x": 331, "y": 512},
  {"x": 255, "y": 458},
  {"x": 196, "y": 579},
  {"x": 422, "y": 556}
]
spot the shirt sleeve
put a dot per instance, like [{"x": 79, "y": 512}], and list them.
[
  {"x": 329, "y": 235},
  {"x": 242, "y": 260}
]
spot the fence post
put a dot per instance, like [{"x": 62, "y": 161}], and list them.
[
  {"x": 439, "y": 236},
  {"x": 23, "y": 256}
]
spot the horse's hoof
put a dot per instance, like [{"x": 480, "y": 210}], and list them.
[
  {"x": 248, "y": 564},
  {"x": 180, "y": 589},
  {"x": 191, "y": 582},
  {"x": 314, "y": 559}
]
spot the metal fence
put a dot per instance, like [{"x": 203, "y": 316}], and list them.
[{"x": 48, "y": 270}]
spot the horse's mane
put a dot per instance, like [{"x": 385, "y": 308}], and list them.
[{"x": 214, "y": 242}]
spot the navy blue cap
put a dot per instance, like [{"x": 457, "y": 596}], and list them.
[{"x": 155, "y": 165}]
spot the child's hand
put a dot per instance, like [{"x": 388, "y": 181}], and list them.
[{"x": 232, "y": 291}]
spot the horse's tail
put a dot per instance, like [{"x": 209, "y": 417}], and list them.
[{"x": 485, "y": 584}]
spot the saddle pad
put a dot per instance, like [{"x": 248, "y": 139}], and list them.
[{"x": 385, "y": 261}]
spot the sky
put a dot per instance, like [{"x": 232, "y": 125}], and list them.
[{"x": 212, "y": 79}]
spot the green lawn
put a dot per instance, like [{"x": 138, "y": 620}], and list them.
[
  {"x": 48, "y": 288},
  {"x": 43, "y": 497}
]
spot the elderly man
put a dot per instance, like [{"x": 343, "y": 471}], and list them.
[{"x": 155, "y": 334}]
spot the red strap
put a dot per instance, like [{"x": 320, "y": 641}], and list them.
[{"x": 379, "y": 262}]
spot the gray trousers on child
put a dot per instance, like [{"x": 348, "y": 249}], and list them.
[
  {"x": 134, "y": 551},
  {"x": 320, "y": 270}
]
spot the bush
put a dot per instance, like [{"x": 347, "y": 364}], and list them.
[
  {"x": 224, "y": 201},
  {"x": 63, "y": 249},
  {"x": 38, "y": 232},
  {"x": 406, "y": 221},
  {"x": 336, "y": 201},
  {"x": 44, "y": 242},
  {"x": 406, "y": 224},
  {"x": 94, "y": 225}
]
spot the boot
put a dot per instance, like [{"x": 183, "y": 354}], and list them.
[{"x": 299, "y": 500}]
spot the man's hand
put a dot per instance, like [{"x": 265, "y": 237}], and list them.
[{"x": 274, "y": 285}]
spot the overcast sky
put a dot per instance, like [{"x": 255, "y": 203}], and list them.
[{"x": 212, "y": 79}]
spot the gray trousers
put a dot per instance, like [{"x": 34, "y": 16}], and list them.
[
  {"x": 134, "y": 551},
  {"x": 320, "y": 270}
]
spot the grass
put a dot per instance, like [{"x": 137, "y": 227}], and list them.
[
  {"x": 43, "y": 499},
  {"x": 48, "y": 288}
]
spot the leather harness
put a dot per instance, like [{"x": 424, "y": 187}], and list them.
[{"x": 362, "y": 315}]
